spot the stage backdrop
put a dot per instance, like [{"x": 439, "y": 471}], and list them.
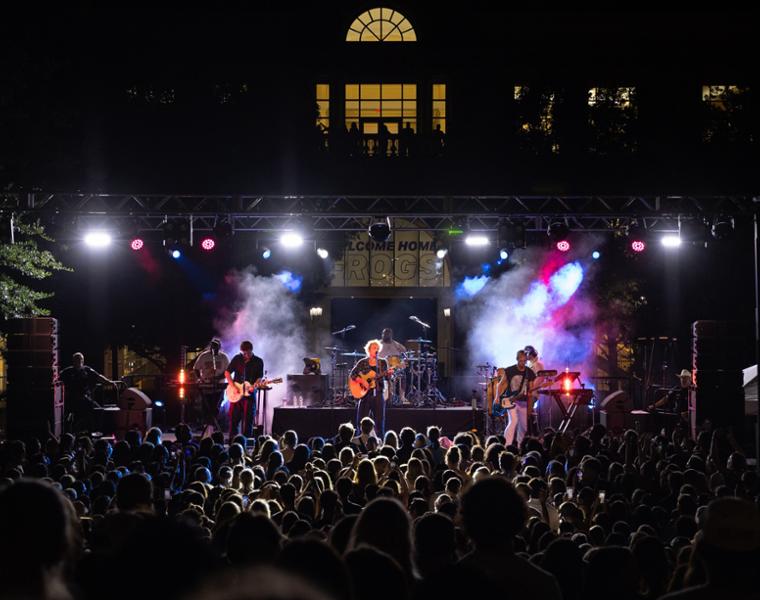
[{"x": 406, "y": 260}]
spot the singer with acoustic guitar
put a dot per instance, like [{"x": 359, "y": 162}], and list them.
[
  {"x": 244, "y": 372},
  {"x": 367, "y": 384}
]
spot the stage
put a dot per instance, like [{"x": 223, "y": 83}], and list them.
[{"x": 309, "y": 422}]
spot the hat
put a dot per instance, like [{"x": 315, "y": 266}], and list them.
[{"x": 684, "y": 373}]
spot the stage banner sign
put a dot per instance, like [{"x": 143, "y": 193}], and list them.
[{"x": 407, "y": 259}]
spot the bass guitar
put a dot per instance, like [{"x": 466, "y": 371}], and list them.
[{"x": 509, "y": 399}]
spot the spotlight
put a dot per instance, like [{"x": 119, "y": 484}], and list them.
[
  {"x": 671, "y": 240},
  {"x": 596, "y": 255},
  {"x": 694, "y": 231},
  {"x": 722, "y": 228},
  {"x": 557, "y": 231},
  {"x": 266, "y": 254},
  {"x": 176, "y": 254},
  {"x": 638, "y": 246},
  {"x": 563, "y": 246},
  {"x": 322, "y": 253},
  {"x": 636, "y": 234},
  {"x": 441, "y": 253},
  {"x": 503, "y": 254},
  {"x": 291, "y": 239},
  {"x": 97, "y": 239},
  {"x": 476, "y": 240},
  {"x": 380, "y": 229},
  {"x": 137, "y": 244},
  {"x": 208, "y": 244}
]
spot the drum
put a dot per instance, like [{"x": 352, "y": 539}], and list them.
[{"x": 396, "y": 362}]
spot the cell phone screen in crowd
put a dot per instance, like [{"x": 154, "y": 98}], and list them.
[
  {"x": 570, "y": 493},
  {"x": 601, "y": 497}
]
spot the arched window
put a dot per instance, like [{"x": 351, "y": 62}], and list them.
[{"x": 381, "y": 25}]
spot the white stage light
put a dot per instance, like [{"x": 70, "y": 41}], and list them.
[
  {"x": 671, "y": 240},
  {"x": 476, "y": 240},
  {"x": 97, "y": 239},
  {"x": 291, "y": 239}
]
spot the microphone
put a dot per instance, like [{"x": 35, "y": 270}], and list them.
[{"x": 413, "y": 318}]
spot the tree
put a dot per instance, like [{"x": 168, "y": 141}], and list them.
[{"x": 22, "y": 262}]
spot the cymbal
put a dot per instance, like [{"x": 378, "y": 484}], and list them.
[
  {"x": 332, "y": 348},
  {"x": 482, "y": 366},
  {"x": 419, "y": 341},
  {"x": 354, "y": 354}
]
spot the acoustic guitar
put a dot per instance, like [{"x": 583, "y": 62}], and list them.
[{"x": 364, "y": 382}]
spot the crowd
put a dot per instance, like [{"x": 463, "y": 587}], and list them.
[{"x": 412, "y": 515}]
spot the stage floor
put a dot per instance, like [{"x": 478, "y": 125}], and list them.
[{"x": 309, "y": 422}]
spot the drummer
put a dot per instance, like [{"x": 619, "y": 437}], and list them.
[{"x": 392, "y": 351}]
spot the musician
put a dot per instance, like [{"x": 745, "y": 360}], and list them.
[
  {"x": 516, "y": 382},
  {"x": 535, "y": 364},
  {"x": 246, "y": 367},
  {"x": 677, "y": 399},
  {"x": 373, "y": 401},
  {"x": 391, "y": 350},
  {"x": 79, "y": 382},
  {"x": 209, "y": 367}
]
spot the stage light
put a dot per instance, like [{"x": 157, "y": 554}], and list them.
[
  {"x": 557, "y": 231},
  {"x": 447, "y": 312},
  {"x": 176, "y": 254},
  {"x": 476, "y": 240},
  {"x": 266, "y": 254},
  {"x": 315, "y": 312},
  {"x": 322, "y": 253},
  {"x": 671, "y": 240},
  {"x": 441, "y": 253},
  {"x": 380, "y": 229},
  {"x": 158, "y": 403},
  {"x": 638, "y": 246},
  {"x": 137, "y": 244},
  {"x": 596, "y": 255},
  {"x": 503, "y": 254},
  {"x": 567, "y": 384},
  {"x": 694, "y": 231},
  {"x": 722, "y": 228},
  {"x": 291, "y": 239},
  {"x": 182, "y": 376},
  {"x": 563, "y": 246},
  {"x": 208, "y": 244},
  {"x": 97, "y": 239}
]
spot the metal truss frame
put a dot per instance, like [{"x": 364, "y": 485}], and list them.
[{"x": 594, "y": 213}]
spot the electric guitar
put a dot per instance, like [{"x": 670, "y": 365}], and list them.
[
  {"x": 236, "y": 391},
  {"x": 361, "y": 384},
  {"x": 509, "y": 401}
]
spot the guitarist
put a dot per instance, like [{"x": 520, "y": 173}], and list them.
[
  {"x": 250, "y": 368},
  {"x": 374, "y": 399},
  {"x": 516, "y": 384}
]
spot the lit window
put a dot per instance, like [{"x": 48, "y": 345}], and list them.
[
  {"x": 612, "y": 114},
  {"x": 381, "y": 25},
  {"x": 535, "y": 110},
  {"x": 719, "y": 96},
  {"x": 439, "y": 107},
  {"x": 323, "y": 107},
  {"x": 389, "y": 109},
  {"x": 725, "y": 119},
  {"x": 394, "y": 104}
]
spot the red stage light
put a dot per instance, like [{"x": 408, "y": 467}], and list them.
[
  {"x": 208, "y": 244},
  {"x": 567, "y": 384},
  {"x": 181, "y": 393},
  {"x": 638, "y": 245},
  {"x": 137, "y": 244},
  {"x": 563, "y": 246},
  {"x": 182, "y": 376}
]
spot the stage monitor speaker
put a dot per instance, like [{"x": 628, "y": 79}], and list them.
[
  {"x": 34, "y": 399},
  {"x": 718, "y": 396},
  {"x": 615, "y": 411},
  {"x": 306, "y": 390}
]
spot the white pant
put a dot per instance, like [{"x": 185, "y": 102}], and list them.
[{"x": 517, "y": 423}]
